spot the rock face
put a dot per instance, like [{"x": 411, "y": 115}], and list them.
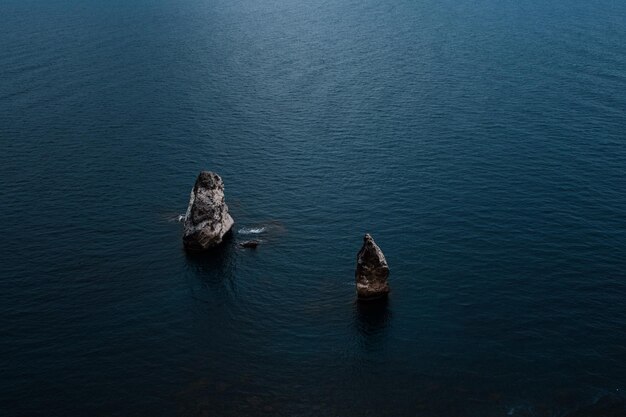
[
  {"x": 207, "y": 219},
  {"x": 371, "y": 271}
]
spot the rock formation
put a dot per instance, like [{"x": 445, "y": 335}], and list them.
[
  {"x": 207, "y": 219},
  {"x": 371, "y": 271}
]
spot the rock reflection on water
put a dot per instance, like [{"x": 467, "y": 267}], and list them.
[
  {"x": 372, "y": 319},
  {"x": 220, "y": 256},
  {"x": 214, "y": 268},
  {"x": 218, "y": 260}
]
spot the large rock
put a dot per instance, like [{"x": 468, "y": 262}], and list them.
[
  {"x": 371, "y": 271},
  {"x": 207, "y": 219}
]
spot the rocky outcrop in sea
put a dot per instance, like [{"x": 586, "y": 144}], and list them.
[
  {"x": 207, "y": 219},
  {"x": 372, "y": 271}
]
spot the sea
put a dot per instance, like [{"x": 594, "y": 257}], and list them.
[{"x": 482, "y": 143}]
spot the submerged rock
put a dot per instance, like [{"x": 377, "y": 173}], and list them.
[
  {"x": 207, "y": 219},
  {"x": 250, "y": 244},
  {"x": 371, "y": 271}
]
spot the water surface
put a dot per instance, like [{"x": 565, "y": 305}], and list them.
[{"x": 481, "y": 143}]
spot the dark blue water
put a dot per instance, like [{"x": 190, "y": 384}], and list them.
[{"x": 482, "y": 143}]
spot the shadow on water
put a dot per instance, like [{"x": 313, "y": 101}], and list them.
[
  {"x": 372, "y": 320},
  {"x": 215, "y": 267}
]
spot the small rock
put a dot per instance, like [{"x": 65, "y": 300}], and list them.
[
  {"x": 371, "y": 271},
  {"x": 250, "y": 244}
]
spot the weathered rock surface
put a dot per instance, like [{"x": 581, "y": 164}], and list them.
[
  {"x": 371, "y": 271},
  {"x": 207, "y": 219}
]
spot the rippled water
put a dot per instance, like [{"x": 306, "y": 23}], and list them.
[{"x": 482, "y": 143}]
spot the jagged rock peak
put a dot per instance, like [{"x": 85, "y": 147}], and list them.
[
  {"x": 372, "y": 271},
  {"x": 207, "y": 219}
]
